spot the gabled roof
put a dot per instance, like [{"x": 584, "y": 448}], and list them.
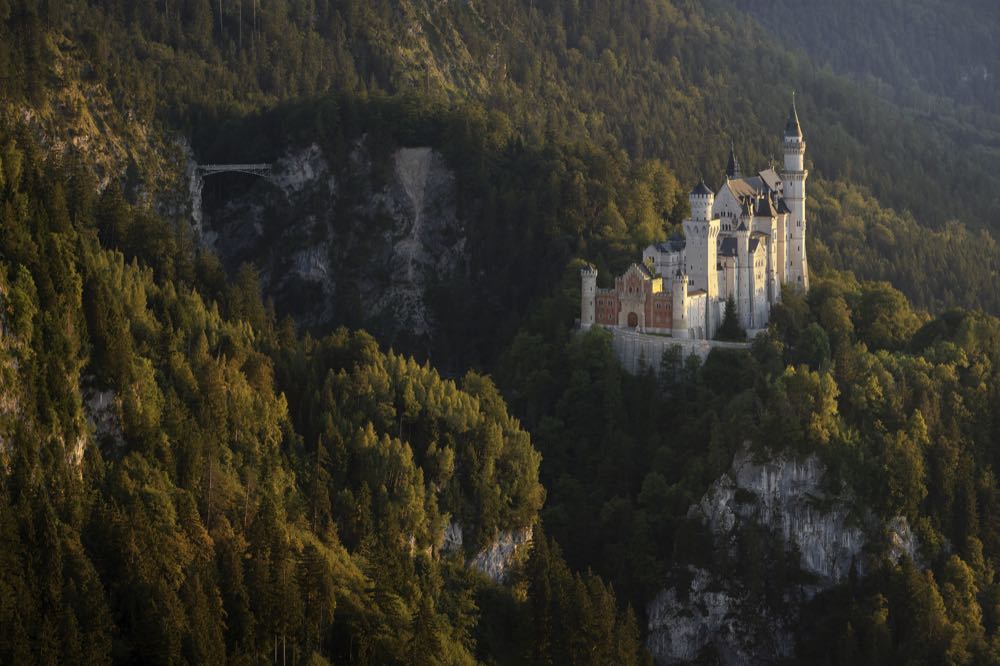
[
  {"x": 727, "y": 248},
  {"x": 771, "y": 178},
  {"x": 743, "y": 188},
  {"x": 644, "y": 270}
]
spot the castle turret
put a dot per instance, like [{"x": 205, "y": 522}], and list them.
[
  {"x": 744, "y": 276},
  {"x": 794, "y": 178},
  {"x": 680, "y": 293},
  {"x": 733, "y": 168},
  {"x": 588, "y": 296},
  {"x": 702, "y": 199},
  {"x": 701, "y": 233}
]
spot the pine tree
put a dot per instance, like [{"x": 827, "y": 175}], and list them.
[{"x": 730, "y": 329}]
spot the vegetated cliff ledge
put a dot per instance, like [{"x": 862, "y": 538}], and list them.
[
  {"x": 357, "y": 244},
  {"x": 811, "y": 538},
  {"x": 498, "y": 557}
]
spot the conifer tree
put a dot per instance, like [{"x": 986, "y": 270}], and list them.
[{"x": 730, "y": 329}]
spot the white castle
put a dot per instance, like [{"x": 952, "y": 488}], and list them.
[{"x": 746, "y": 241}]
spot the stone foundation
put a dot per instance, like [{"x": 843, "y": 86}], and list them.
[{"x": 638, "y": 351}]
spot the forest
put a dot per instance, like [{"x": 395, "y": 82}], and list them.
[
  {"x": 188, "y": 477},
  {"x": 246, "y": 486}
]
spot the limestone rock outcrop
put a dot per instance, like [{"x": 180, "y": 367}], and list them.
[
  {"x": 714, "y": 613},
  {"x": 360, "y": 242},
  {"x": 496, "y": 558}
]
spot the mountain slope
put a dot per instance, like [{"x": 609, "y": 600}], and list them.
[{"x": 674, "y": 81}]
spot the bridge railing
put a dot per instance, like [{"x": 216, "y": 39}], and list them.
[{"x": 252, "y": 169}]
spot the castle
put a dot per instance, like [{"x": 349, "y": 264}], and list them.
[{"x": 744, "y": 242}]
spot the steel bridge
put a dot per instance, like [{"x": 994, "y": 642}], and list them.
[{"x": 262, "y": 170}]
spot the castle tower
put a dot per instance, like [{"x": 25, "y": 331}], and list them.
[
  {"x": 766, "y": 221},
  {"x": 733, "y": 168},
  {"x": 680, "y": 292},
  {"x": 702, "y": 233},
  {"x": 588, "y": 296},
  {"x": 744, "y": 276},
  {"x": 794, "y": 178}
]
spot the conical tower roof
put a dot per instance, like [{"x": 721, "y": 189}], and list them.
[
  {"x": 792, "y": 127},
  {"x": 701, "y": 189}
]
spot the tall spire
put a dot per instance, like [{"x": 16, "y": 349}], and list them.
[
  {"x": 792, "y": 127},
  {"x": 733, "y": 168}
]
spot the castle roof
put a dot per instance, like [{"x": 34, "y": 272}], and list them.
[
  {"x": 644, "y": 269},
  {"x": 743, "y": 188},
  {"x": 701, "y": 189},
  {"x": 771, "y": 178},
  {"x": 673, "y": 244},
  {"x": 792, "y": 127},
  {"x": 729, "y": 246},
  {"x": 765, "y": 208}
]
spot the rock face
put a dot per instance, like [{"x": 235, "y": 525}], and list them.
[
  {"x": 711, "y": 618},
  {"x": 784, "y": 495},
  {"x": 103, "y": 412},
  {"x": 357, "y": 243},
  {"x": 714, "y": 614},
  {"x": 496, "y": 559}
]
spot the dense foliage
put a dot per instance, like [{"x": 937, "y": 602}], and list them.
[
  {"x": 186, "y": 480},
  {"x": 955, "y": 57},
  {"x": 530, "y": 78},
  {"x": 899, "y": 408}
]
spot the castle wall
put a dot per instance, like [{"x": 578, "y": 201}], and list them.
[
  {"x": 696, "y": 314},
  {"x": 727, "y": 277},
  {"x": 607, "y": 307},
  {"x": 727, "y": 207},
  {"x": 639, "y": 351},
  {"x": 660, "y": 313},
  {"x": 664, "y": 263},
  {"x": 761, "y": 306}
]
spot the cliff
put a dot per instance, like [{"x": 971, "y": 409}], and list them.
[
  {"x": 821, "y": 534},
  {"x": 497, "y": 558},
  {"x": 359, "y": 243}
]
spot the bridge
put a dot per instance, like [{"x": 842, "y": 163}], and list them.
[
  {"x": 262, "y": 170},
  {"x": 201, "y": 171}
]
